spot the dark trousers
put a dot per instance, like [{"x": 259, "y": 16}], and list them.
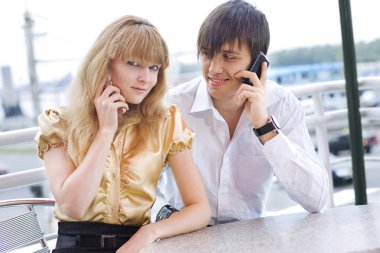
[{"x": 92, "y": 237}]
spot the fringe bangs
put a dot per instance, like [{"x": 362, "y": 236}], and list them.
[{"x": 142, "y": 45}]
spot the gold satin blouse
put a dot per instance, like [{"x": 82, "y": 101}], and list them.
[{"x": 128, "y": 188}]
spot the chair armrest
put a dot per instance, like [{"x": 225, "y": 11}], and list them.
[{"x": 28, "y": 201}]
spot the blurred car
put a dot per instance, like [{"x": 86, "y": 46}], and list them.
[
  {"x": 3, "y": 170},
  {"x": 37, "y": 191},
  {"x": 341, "y": 143},
  {"x": 369, "y": 98},
  {"x": 341, "y": 172}
]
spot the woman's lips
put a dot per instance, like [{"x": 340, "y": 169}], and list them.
[{"x": 138, "y": 90}]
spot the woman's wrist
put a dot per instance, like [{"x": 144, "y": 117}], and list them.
[
  {"x": 106, "y": 132},
  {"x": 150, "y": 232}
]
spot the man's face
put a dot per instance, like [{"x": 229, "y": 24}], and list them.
[{"x": 219, "y": 71}]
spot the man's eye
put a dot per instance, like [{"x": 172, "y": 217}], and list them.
[
  {"x": 132, "y": 63},
  {"x": 204, "y": 52},
  {"x": 229, "y": 56},
  {"x": 154, "y": 67}
]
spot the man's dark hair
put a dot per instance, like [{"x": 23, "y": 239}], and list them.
[{"x": 231, "y": 21}]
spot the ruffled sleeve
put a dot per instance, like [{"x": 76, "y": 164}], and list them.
[
  {"x": 52, "y": 131},
  {"x": 180, "y": 136}
]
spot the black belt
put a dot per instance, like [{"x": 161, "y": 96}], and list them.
[{"x": 82, "y": 236}]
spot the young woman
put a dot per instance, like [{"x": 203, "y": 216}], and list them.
[{"x": 105, "y": 150}]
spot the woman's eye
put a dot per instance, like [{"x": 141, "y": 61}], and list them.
[
  {"x": 132, "y": 63},
  {"x": 154, "y": 67}
]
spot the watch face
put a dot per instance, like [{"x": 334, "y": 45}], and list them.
[{"x": 165, "y": 212}]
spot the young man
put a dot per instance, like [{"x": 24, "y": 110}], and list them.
[{"x": 244, "y": 133}]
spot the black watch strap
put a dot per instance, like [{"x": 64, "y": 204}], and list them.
[
  {"x": 165, "y": 212},
  {"x": 268, "y": 127}
]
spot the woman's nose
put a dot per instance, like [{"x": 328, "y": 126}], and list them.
[{"x": 144, "y": 74}]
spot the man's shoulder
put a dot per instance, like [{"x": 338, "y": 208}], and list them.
[
  {"x": 184, "y": 90},
  {"x": 278, "y": 93},
  {"x": 275, "y": 89}
]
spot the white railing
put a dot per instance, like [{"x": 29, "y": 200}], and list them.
[
  {"x": 320, "y": 118},
  {"x": 28, "y": 176},
  {"x": 17, "y": 136},
  {"x": 316, "y": 121}
]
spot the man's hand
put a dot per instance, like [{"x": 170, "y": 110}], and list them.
[{"x": 253, "y": 97}]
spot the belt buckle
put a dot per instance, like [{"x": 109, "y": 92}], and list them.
[{"x": 108, "y": 241}]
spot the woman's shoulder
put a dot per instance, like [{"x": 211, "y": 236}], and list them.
[
  {"x": 53, "y": 115},
  {"x": 175, "y": 119},
  {"x": 172, "y": 112},
  {"x": 177, "y": 136},
  {"x": 53, "y": 129},
  {"x": 52, "y": 119}
]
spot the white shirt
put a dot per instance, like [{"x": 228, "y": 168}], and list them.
[{"x": 238, "y": 172}]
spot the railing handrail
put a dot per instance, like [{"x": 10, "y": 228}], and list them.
[
  {"x": 22, "y": 178},
  {"x": 18, "y": 136},
  {"x": 339, "y": 114},
  {"x": 329, "y": 86},
  {"x": 28, "y": 201}
]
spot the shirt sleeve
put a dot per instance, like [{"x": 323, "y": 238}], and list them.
[
  {"x": 180, "y": 137},
  {"x": 160, "y": 196},
  {"x": 52, "y": 131},
  {"x": 297, "y": 166}
]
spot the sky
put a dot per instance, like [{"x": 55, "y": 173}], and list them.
[{"x": 66, "y": 29}]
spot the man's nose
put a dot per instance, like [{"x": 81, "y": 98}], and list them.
[{"x": 216, "y": 65}]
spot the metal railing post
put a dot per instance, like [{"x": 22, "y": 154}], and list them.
[
  {"x": 352, "y": 93},
  {"x": 322, "y": 141}
]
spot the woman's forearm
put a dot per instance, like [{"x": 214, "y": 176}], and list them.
[
  {"x": 192, "y": 217},
  {"x": 80, "y": 188}
]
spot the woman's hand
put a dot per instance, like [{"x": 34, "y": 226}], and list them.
[
  {"x": 109, "y": 103},
  {"x": 138, "y": 241}
]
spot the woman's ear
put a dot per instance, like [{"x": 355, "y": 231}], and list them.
[
  {"x": 109, "y": 78},
  {"x": 109, "y": 74}
]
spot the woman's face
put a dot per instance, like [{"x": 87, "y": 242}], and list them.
[{"x": 134, "y": 80}]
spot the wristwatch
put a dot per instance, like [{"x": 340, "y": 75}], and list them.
[
  {"x": 165, "y": 212},
  {"x": 272, "y": 125}
]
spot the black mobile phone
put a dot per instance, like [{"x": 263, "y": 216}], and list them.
[{"x": 256, "y": 67}]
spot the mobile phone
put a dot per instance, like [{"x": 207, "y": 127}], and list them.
[{"x": 256, "y": 67}]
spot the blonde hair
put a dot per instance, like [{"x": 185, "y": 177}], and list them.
[{"x": 127, "y": 38}]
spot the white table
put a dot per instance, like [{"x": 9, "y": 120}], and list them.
[{"x": 341, "y": 229}]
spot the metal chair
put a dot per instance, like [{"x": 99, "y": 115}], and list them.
[{"x": 23, "y": 229}]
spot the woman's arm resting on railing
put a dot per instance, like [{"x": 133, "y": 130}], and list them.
[{"x": 195, "y": 215}]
